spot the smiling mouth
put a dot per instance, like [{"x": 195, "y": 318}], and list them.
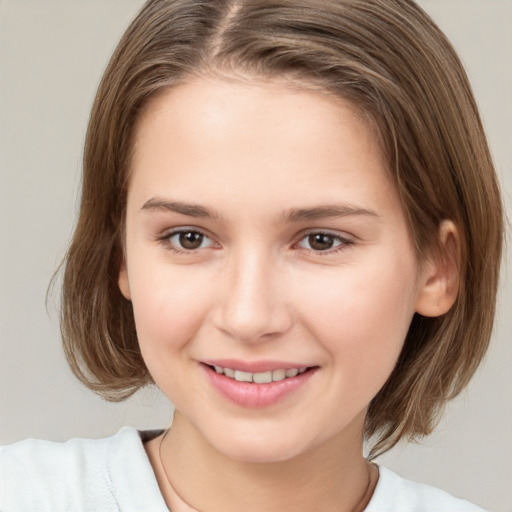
[
  {"x": 260, "y": 377},
  {"x": 266, "y": 386}
]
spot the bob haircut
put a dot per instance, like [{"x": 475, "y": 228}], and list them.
[{"x": 385, "y": 56}]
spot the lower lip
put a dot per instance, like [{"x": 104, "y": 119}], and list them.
[{"x": 252, "y": 395}]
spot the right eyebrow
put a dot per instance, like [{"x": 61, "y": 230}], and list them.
[
  {"x": 189, "y": 209},
  {"x": 326, "y": 211}
]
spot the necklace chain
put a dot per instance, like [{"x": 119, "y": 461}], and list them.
[{"x": 360, "y": 506}]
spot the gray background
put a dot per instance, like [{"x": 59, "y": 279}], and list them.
[{"x": 52, "y": 54}]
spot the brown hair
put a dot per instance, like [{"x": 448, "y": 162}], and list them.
[{"x": 390, "y": 59}]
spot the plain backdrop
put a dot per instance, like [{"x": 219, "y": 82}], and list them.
[{"x": 52, "y": 54}]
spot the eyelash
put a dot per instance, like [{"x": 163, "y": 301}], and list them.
[{"x": 343, "y": 243}]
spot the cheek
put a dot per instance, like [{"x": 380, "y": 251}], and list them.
[
  {"x": 169, "y": 307},
  {"x": 361, "y": 314}
]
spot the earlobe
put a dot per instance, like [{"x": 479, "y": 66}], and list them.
[
  {"x": 122, "y": 281},
  {"x": 439, "y": 285}
]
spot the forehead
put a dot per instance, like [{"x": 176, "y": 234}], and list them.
[
  {"x": 240, "y": 136},
  {"x": 204, "y": 105}
]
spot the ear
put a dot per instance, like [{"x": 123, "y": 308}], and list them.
[
  {"x": 439, "y": 283},
  {"x": 123, "y": 282}
]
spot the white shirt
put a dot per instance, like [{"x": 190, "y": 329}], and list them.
[{"x": 114, "y": 474}]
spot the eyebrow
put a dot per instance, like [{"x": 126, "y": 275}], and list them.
[
  {"x": 326, "y": 211},
  {"x": 189, "y": 209},
  {"x": 291, "y": 216}
]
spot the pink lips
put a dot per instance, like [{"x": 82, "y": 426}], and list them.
[{"x": 251, "y": 395}]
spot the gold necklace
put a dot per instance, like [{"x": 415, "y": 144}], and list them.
[{"x": 360, "y": 506}]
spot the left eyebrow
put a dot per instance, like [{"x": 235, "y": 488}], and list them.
[
  {"x": 189, "y": 209},
  {"x": 326, "y": 211}
]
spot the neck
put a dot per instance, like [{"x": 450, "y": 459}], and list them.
[{"x": 192, "y": 475}]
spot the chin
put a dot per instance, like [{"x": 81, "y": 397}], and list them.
[
  {"x": 254, "y": 455},
  {"x": 260, "y": 447}
]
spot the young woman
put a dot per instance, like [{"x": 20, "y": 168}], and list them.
[{"x": 291, "y": 224}]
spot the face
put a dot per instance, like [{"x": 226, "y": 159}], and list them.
[{"x": 268, "y": 262}]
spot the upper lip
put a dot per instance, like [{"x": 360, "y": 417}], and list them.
[{"x": 254, "y": 366}]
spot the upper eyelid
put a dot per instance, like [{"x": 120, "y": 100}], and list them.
[
  {"x": 167, "y": 233},
  {"x": 302, "y": 233},
  {"x": 347, "y": 237}
]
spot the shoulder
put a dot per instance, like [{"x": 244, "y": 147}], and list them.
[
  {"x": 79, "y": 475},
  {"x": 396, "y": 494}
]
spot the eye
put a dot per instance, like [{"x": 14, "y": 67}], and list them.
[
  {"x": 187, "y": 240},
  {"x": 323, "y": 242}
]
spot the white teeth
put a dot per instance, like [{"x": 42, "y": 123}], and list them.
[
  {"x": 278, "y": 375},
  {"x": 228, "y": 372},
  {"x": 241, "y": 376},
  {"x": 261, "y": 377}
]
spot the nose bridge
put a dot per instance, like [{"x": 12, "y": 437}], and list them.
[{"x": 252, "y": 307}]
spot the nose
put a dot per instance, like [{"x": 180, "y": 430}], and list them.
[{"x": 252, "y": 307}]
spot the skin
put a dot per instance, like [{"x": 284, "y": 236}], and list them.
[{"x": 255, "y": 154}]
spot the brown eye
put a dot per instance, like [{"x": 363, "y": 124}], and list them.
[
  {"x": 190, "y": 240},
  {"x": 324, "y": 242},
  {"x": 185, "y": 240},
  {"x": 321, "y": 241}
]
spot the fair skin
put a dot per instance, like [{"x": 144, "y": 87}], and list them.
[{"x": 294, "y": 254}]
